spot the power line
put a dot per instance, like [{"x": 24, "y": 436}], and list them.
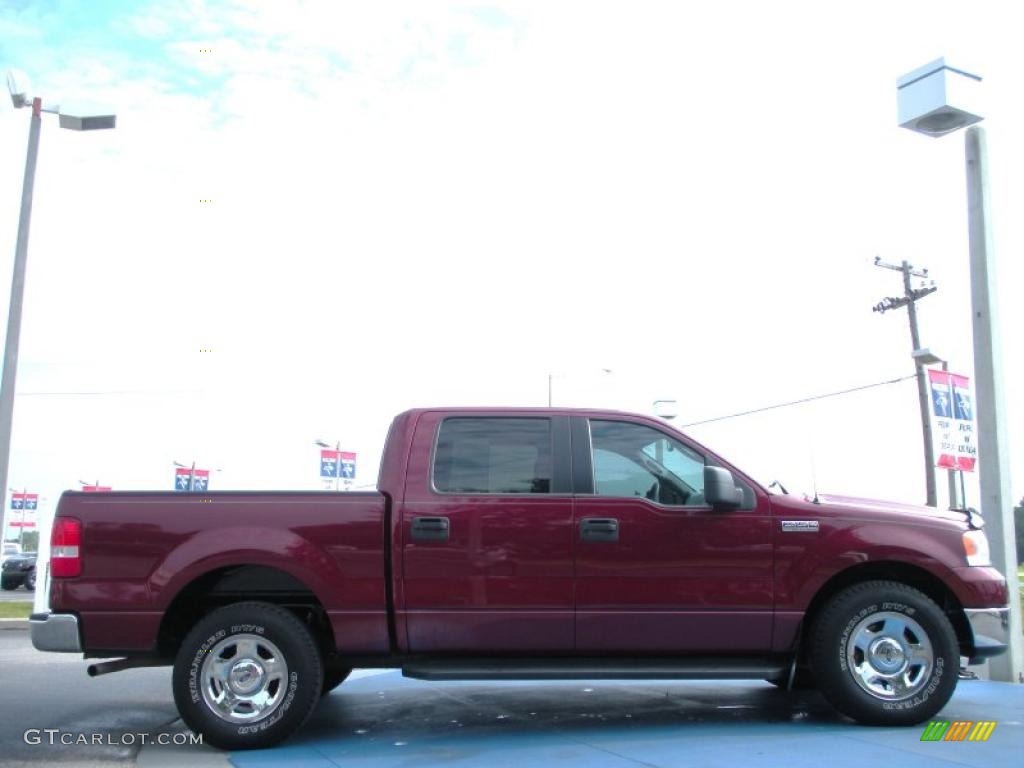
[{"x": 799, "y": 402}]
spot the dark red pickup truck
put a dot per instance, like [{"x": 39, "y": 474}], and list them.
[{"x": 522, "y": 543}]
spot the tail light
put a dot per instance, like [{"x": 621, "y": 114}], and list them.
[{"x": 65, "y": 548}]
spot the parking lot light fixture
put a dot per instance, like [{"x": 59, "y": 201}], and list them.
[
  {"x": 934, "y": 100},
  {"x": 73, "y": 118}
]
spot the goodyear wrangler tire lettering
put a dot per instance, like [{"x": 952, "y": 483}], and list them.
[
  {"x": 881, "y": 653},
  {"x": 247, "y": 676}
]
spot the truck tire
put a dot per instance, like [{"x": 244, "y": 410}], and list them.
[
  {"x": 247, "y": 676},
  {"x": 884, "y": 653},
  {"x": 333, "y": 677},
  {"x": 30, "y": 581}
]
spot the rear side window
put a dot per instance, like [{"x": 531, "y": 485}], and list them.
[{"x": 493, "y": 455}]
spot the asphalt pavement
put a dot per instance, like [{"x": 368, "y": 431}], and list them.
[
  {"x": 382, "y": 719},
  {"x": 52, "y": 690}
]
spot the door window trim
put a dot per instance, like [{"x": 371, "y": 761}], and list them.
[
  {"x": 585, "y": 484},
  {"x": 561, "y": 464}
]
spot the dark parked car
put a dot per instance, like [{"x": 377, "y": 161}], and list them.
[{"x": 19, "y": 570}]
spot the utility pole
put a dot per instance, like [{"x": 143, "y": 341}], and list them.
[{"x": 909, "y": 299}]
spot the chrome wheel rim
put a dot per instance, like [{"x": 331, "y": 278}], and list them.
[
  {"x": 890, "y": 656},
  {"x": 244, "y": 678}
]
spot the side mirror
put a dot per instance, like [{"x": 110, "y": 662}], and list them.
[{"x": 720, "y": 489}]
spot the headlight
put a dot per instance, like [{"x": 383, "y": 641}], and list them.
[{"x": 976, "y": 548}]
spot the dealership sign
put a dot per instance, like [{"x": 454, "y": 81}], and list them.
[
  {"x": 186, "y": 479},
  {"x": 26, "y": 503},
  {"x": 954, "y": 434},
  {"x": 334, "y": 464}
]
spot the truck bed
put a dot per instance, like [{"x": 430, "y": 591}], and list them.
[{"x": 142, "y": 551}]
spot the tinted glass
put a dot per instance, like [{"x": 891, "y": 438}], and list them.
[
  {"x": 493, "y": 456},
  {"x": 632, "y": 460}
]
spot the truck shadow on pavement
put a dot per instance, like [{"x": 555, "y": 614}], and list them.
[{"x": 388, "y": 718}]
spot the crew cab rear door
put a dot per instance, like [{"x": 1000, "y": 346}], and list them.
[
  {"x": 487, "y": 534},
  {"x": 657, "y": 569}
]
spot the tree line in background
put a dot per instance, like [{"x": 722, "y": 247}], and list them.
[{"x": 1018, "y": 524}]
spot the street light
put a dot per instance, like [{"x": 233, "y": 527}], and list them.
[
  {"x": 935, "y": 100},
  {"x": 666, "y": 409},
  {"x": 73, "y": 118}
]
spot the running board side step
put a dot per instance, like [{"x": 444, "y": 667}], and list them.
[{"x": 595, "y": 669}]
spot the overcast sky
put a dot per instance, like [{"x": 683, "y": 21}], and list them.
[{"x": 440, "y": 204}]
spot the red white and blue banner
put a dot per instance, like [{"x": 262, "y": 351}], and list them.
[
  {"x": 186, "y": 479},
  {"x": 26, "y": 504},
  {"x": 200, "y": 479},
  {"x": 183, "y": 479},
  {"x": 348, "y": 466},
  {"x": 334, "y": 464},
  {"x": 953, "y": 429}
]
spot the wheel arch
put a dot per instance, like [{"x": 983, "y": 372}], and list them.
[
  {"x": 904, "y": 573},
  {"x": 241, "y": 582}
]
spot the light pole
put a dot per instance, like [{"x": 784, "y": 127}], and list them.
[
  {"x": 73, "y": 119},
  {"x": 937, "y": 99}
]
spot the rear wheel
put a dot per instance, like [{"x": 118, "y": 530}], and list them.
[
  {"x": 30, "y": 581},
  {"x": 885, "y": 654},
  {"x": 247, "y": 676}
]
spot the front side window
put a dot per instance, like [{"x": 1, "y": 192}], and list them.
[
  {"x": 493, "y": 455},
  {"x": 633, "y": 460}
]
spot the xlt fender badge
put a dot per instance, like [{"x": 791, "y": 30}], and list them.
[{"x": 800, "y": 526}]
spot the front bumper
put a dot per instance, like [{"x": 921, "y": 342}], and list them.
[
  {"x": 55, "y": 632},
  {"x": 991, "y": 629}
]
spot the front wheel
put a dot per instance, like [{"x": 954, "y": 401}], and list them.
[
  {"x": 885, "y": 654},
  {"x": 247, "y": 676},
  {"x": 30, "y": 581}
]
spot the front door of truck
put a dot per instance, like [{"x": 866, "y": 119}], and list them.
[
  {"x": 657, "y": 569},
  {"x": 487, "y": 535}
]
